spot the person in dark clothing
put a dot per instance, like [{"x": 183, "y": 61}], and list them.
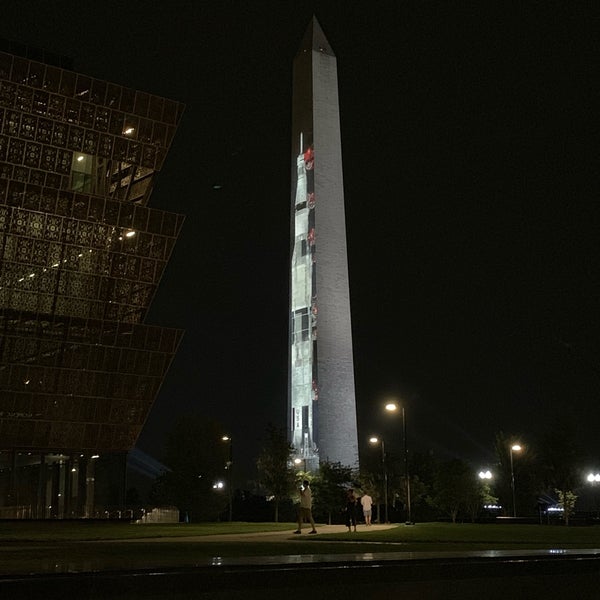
[{"x": 351, "y": 509}]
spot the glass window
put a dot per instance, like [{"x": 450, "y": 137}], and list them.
[{"x": 81, "y": 172}]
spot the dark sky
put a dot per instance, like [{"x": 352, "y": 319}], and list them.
[{"x": 470, "y": 141}]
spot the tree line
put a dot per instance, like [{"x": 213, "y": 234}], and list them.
[{"x": 440, "y": 488}]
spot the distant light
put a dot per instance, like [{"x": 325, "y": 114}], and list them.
[
  {"x": 95, "y": 456},
  {"x": 297, "y": 461},
  {"x": 80, "y": 158},
  {"x": 217, "y": 186},
  {"x": 73, "y": 470},
  {"x": 129, "y": 130},
  {"x": 391, "y": 406},
  {"x": 485, "y": 474},
  {"x": 516, "y": 447},
  {"x": 130, "y": 234},
  {"x": 31, "y": 274},
  {"x": 373, "y": 440},
  {"x": 218, "y": 486},
  {"x": 225, "y": 438},
  {"x": 592, "y": 477}
]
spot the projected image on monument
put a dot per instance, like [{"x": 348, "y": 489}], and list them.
[{"x": 304, "y": 375}]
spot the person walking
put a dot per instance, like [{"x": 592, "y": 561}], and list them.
[
  {"x": 351, "y": 510},
  {"x": 305, "y": 508},
  {"x": 367, "y": 505}
]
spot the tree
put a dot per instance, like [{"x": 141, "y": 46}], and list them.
[
  {"x": 454, "y": 487},
  {"x": 329, "y": 487},
  {"x": 566, "y": 500},
  {"x": 197, "y": 459},
  {"x": 559, "y": 456},
  {"x": 273, "y": 464},
  {"x": 476, "y": 496}
]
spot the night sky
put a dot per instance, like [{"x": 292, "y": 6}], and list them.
[{"x": 469, "y": 138}]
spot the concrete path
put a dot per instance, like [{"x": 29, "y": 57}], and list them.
[{"x": 267, "y": 536}]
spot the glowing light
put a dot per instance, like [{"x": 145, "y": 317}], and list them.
[
  {"x": 225, "y": 438},
  {"x": 391, "y": 406},
  {"x": 130, "y": 234},
  {"x": 95, "y": 456},
  {"x": 593, "y": 477},
  {"x": 129, "y": 130},
  {"x": 80, "y": 158},
  {"x": 373, "y": 440},
  {"x": 219, "y": 485},
  {"x": 516, "y": 448},
  {"x": 485, "y": 474}
]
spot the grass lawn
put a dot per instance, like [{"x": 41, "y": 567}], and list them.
[{"x": 37, "y": 547}]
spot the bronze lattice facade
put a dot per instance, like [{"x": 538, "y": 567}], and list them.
[{"x": 81, "y": 256}]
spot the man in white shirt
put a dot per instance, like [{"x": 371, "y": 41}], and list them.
[
  {"x": 367, "y": 504},
  {"x": 305, "y": 509}
]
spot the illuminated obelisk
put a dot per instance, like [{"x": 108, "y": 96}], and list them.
[{"x": 322, "y": 405}]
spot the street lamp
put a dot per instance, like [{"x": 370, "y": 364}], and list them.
[
  {"x": 229, "y": 467},
  {"x": 594, "y": 478},
  {"x": 485, "y": 474},
  {"x": 301, "y": 461},
  {"x": 376, "y": 440},
  {"x": 393, "y": 407},
  {"x": 513, "y": 448}
]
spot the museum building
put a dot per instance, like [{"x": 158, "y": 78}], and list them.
[{"x": 81, "y": 256}]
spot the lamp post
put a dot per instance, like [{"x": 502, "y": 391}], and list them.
[
  {"x": 513, "y": 448},
  {"x": 393, "y": 407},
  {"x": 229, "y": 466},
  {"x": 301, "y": 461},
  {"x": 485, "y": 474},
  {"x": 376, "y": 440},
  {"x": 594, "y": 478}
]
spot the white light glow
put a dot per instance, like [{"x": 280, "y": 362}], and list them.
[
  {"x": 373, "y": 440},
  {"x": 391, "y": 406},
  {"x": 485, "y": 474},
  {"x": 516, "y": 448},
  {"x": 80, "y": 158},
  {"x": 129, "y": 130},
  {"x": 130, "y": 234}
]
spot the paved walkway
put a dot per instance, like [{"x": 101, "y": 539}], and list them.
[{"x": 266, "y": 536}]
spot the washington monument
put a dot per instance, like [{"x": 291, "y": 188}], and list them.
[{"x": 321, "y": 398}]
